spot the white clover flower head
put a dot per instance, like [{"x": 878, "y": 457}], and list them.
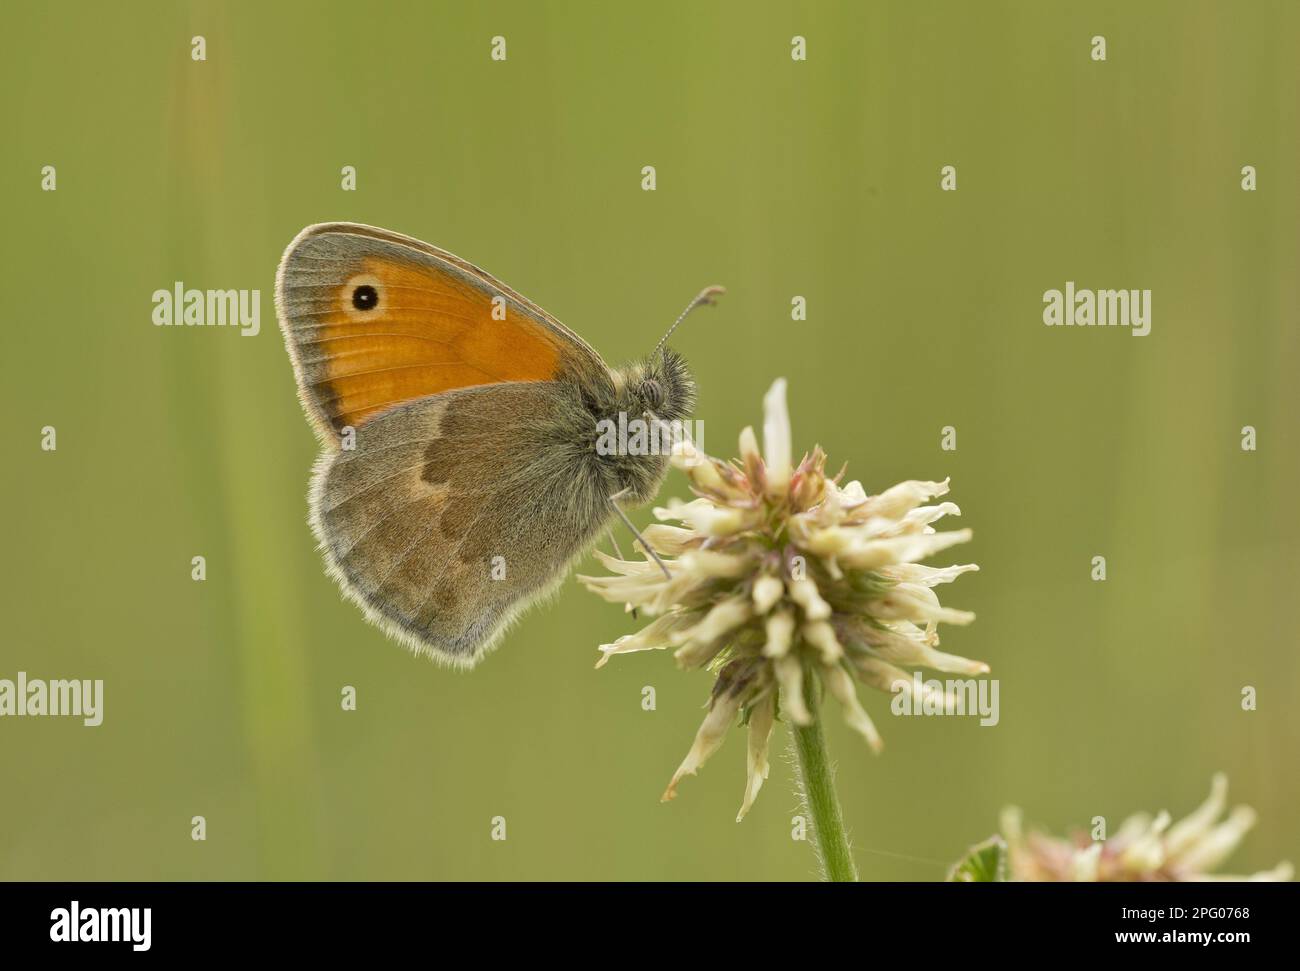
[
  {"x": 1145, "y": 848},
  {"x": 776, "y": 571}
]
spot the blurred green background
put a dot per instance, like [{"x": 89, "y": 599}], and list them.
[{"x": 776, "y": 179}]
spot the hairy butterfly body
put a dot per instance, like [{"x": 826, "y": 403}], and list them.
[{"x": 459, "y": 475}]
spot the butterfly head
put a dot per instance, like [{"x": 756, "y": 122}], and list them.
[
  {"x": 652, "y": 401},
  {"x": 661, "y": 387}
]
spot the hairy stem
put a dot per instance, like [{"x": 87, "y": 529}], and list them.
[{"x": 817, "y": 784}]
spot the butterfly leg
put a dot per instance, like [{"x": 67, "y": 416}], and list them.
[
  {"x": 618, "y": 551},
  {"x": 613, "y": 501},
  {"x": 613, "y": 541}
]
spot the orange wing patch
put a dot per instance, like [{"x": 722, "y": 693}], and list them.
[
  {"x": 372, "y": 330},
  {"x": 424, "y": 335}
]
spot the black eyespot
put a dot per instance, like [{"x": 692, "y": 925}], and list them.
[{"x": 365, "y": 297}]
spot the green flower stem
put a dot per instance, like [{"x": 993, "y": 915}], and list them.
[{"x": 817, "y": 780}]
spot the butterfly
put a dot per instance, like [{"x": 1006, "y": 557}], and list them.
[{"x": 459, "y": 475}]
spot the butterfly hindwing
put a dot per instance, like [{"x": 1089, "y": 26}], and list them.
[{"x": 454, "y": 512}]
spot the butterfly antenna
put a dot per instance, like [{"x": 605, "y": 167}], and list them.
[
  {"x": 708, "y": 295},
  {"x": 613, "y": 501}
]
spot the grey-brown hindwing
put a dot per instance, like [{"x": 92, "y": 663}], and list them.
[{"x": 455, "y": 511}]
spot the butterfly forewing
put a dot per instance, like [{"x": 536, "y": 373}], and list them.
[{"x": 374, "y": 319}]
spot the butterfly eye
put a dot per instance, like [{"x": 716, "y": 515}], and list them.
[
  {"x": 365, "y": 297},
  {"x": 652, "y": 394}
]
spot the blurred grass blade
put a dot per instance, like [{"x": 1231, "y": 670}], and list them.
[{"x": 983, "y": 863}]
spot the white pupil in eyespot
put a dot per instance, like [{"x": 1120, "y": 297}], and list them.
[{"x": 364, "y": 297}]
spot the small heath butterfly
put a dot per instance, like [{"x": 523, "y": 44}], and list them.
[{"x": 460, "y": 473}]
